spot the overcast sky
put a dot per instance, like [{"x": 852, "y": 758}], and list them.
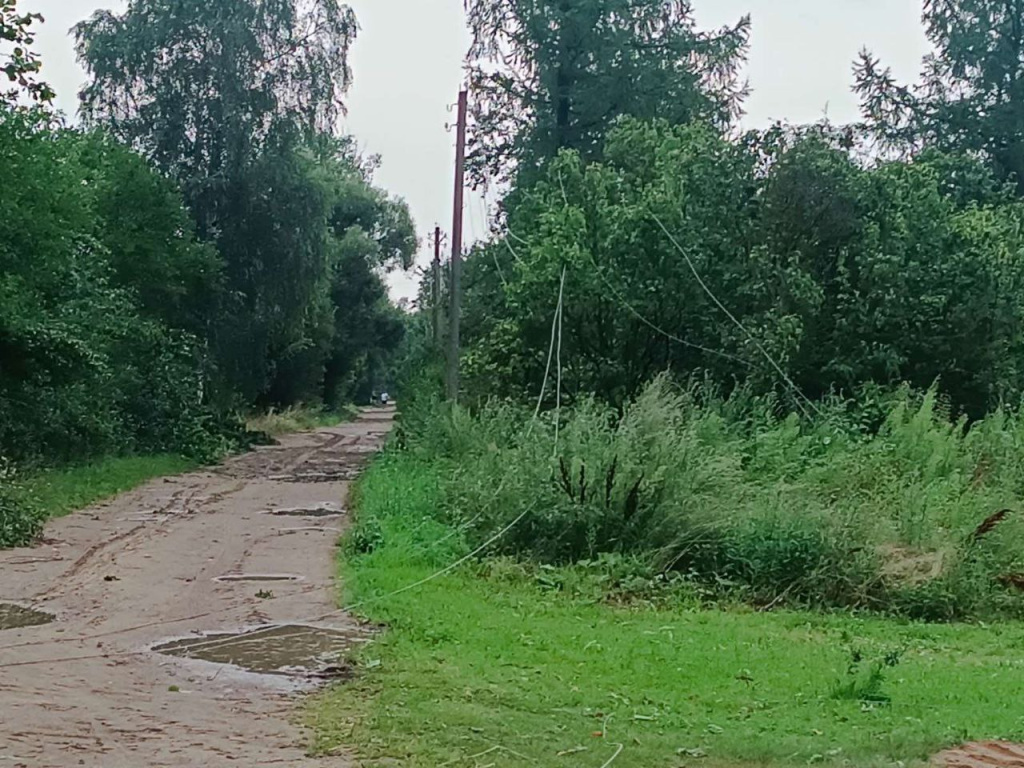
[{"x": 408, "y": 68}]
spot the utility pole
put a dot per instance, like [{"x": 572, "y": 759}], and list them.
[
  {"x": 436, "y": 290},
  {"x": 452, "y": 379}
]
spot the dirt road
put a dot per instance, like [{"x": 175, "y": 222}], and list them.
[{"x": 149, "y": 568}]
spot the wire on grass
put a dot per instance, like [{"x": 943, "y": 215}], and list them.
[{"x": 614, "y": 757}]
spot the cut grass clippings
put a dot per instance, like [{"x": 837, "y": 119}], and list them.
[{"x": 500, "y": 671}]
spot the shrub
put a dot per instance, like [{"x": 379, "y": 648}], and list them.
[
  {"x": 740, "y": 497},
  {"x": 20, "y": 520},
  {"x": 96, "y": 317},
  {"x": 847, "y": 273}
]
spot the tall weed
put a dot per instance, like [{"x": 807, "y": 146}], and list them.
[
  {"x": 738, "y": 495},
  {"x": 20, "y": 520}
]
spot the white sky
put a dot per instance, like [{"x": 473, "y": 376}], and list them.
[{"x": 408, "y": 69}]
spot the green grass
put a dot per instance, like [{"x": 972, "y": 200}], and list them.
[
  {"x": 59, "y": 492},
  {"x": 885, "y": 506},
  {"x": 497, "y": 670},
  {"x": 32, "y": 498},
  {"x": 298, "y": 419}
]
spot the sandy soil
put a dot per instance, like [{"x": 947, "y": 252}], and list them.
[
  {"x": 140, "y": 570},
  {"x": 982, "y": 754}
]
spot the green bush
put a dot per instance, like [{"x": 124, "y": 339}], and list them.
[
  {"x": 122, "y": 331},
  {"x": 95, "y": 315},
  {"x": 846, "y": 273},
  {"x": 20, "y": 520}
]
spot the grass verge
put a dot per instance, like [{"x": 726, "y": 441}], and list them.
[
  {"x": 59, "y": 492},
  {"x": 27, "y": 501},
  {"x": 489, "y": 666},
  {"x": 298, "y": 419}
]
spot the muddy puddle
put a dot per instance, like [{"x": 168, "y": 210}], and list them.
[
  {"x": 14, "y": 616},
  {"x": 259, "y": 577},
  {"x": 290, "y": 649},
  {"x": 316, "y": 510}
]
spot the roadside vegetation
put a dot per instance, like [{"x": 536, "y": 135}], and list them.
[
  {"x": 32, "y": 496},
  {"x": 735, "y": 475},
  {"x": 29, "y": 499},
  {"x": 298, "y": 418},
  {"x": 61, "y": 491},
  {"x": 736, "y": 469},
  {"x": 891, "y": 507},
  {"x": 165, "y": 270},
  {"x": 515, "y": 663}
]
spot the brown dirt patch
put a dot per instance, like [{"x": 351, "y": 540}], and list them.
[
  {"x": 982, "y": 754},
  {"x": 139, "y": 571}
]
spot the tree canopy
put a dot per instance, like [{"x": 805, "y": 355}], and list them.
[
  {"x": 17, "y": 60},
  {"x": 971, "y": 94},
  {"x": 207, "y": 243},
  {"x": 203, "y": 89},
  {"x": 238, "y": 102},
  {"x": 555, "y": 74},
  {"x": 95, "y": 355},
  {"x": 842, "y": 275}
]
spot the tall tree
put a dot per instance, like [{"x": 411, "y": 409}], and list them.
[
  {"x": 101, "y": 281},
  {"x": 17, "y": 61},
  {"x": 202, "y": 88},
  {"x": 373, "y": 233},
  {"x": 842, "y": 274},
  {"x": 971, "y": 94},
  {"x": 554, "y": 74},
  {"x": 228, "y": 98}
]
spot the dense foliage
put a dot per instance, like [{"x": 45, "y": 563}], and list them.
[
  {"x": 786, "y": 259},
  {"x": 249, "y": 74},
  {"x": 207, "y": 245},
  {"x": 840, "y": 274},
  {"x": 241, "y": 118},
  {"x": 554, "y": 75},
  {"x": 971, "y": 94},
  {"x": 883, "y": 504},
  {"x": 801, "y": 275},
  {"x": 95, "y": 356}
]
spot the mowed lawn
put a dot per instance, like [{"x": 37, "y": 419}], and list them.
[{"x": 492, "y": 670}]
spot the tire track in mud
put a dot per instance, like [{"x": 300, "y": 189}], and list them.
[
  {"x": 108, "y": 700},
  {"x": 181, "y": 502}
]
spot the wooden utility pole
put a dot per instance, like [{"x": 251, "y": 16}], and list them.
[
  {"x": 452, "y": 378},
  {"x": 436, "y": 290}
]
